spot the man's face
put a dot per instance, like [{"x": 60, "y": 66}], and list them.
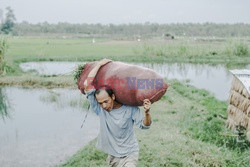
[{"x": 105, "y": 101}]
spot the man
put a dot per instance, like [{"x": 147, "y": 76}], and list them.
[{"x": 117, "y": 137}]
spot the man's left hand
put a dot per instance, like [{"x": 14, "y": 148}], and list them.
[{"x": 146, "y": 105}]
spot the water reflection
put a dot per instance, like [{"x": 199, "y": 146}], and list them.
[
  {"x": 58, "y": 68},
  {"x": 59, "y": 99},
  {"x": 237, "y": 65},
  {"x": 49, "y": 68},
  {"x": 216, "y": 79},
  {"x": 4, "y": 105},
  {"x": 43, "y": 133}
]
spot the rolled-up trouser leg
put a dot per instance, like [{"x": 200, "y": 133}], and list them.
[{"x": 127, "y": 161}]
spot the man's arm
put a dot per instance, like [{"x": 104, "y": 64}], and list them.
[
  {"x": 137, "y": 116},
  {"x": 90, "y": 93},
  {"x": 147, "y": 104},
  {"x": 93, "y": 73}
]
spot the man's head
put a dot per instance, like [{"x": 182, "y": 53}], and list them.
[{"x": 105, "y": 97}]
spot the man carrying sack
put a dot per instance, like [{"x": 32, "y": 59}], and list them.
[{"x": 116, "y": 137}]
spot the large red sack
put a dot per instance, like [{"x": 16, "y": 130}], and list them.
[{"x": 131, "y": 84}]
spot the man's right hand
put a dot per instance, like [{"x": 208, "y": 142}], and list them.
[
  {"x": 93, "y": 73},
  {"x": 103, "y": 62}
]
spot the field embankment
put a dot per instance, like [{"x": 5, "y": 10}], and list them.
[{"x": 186, "y": 131}]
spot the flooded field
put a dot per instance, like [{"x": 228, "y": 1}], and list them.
[
  {"x": 216, "y": 79},
  {"x": 43, "y": 127}
]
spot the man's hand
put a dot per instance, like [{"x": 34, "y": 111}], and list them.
[
  {"x": 93, "y": 73},
  {"x": 146, "y": 105},
  {"x": 103, "y": 62}
]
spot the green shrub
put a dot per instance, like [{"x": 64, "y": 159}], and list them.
[
  {"x": 3, "y": 49},
  {"x": 4, "y": 105},
  {"x": 240, "y": 49},
  {"x": 78, "y": 72}
]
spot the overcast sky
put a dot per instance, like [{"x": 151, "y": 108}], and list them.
[{"x": 130, "y": 11}]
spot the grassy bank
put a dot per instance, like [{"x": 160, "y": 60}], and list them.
[
  {"x": 186, "y": 131},
  {"x": 33, "y": 81}
]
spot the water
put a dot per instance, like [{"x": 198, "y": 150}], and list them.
[
  {"x": 43, "y": 127},
  {"x": 216, "y": 79},
  {"x": 50, "y": 68}
]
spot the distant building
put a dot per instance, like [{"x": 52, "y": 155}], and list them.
[{"x": 168, "y": 36}]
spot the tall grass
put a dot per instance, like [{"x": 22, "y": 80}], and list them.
[
  {"x": 3, "y": 105},
  {"x": 25, "y": 49},
  {"x": 237, "y": 48},
  {"x": 195, "y": 51},
  {"x": 3, "y": 49},
  {"x": 241, "y": 49}
]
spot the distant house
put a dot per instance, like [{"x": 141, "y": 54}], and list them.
[
  {"x": 168, "y": 36},
  {"x": 239, "y": 101}
]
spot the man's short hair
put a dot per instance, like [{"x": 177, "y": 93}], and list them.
[{"x": 106, "y": 88}]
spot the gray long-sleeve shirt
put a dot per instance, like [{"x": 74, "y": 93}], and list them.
[{"x": 117, "y": 136}]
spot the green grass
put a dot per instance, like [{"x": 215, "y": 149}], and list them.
[
  {"x": 88, "y": 156},
  {"x": 182, "y": 49},
  {"x": 185, "y": 132},
  {"x": 4, "y": 105},
  {"x": 3, "y": 49},
  {"x": 210, "y": 127},
  {"x": 232, "y": 52},
  {"x": 40, "y": 49},
  {"x": 32, "y": 81}
]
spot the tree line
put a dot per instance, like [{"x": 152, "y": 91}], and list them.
[
  {"x": 145, "y": 29},
  {"x": 9, "y": 26}
]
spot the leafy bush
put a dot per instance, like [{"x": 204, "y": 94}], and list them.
[
  {"x": 240, "y": 49},
  {"x": 78, "y": 72}
]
